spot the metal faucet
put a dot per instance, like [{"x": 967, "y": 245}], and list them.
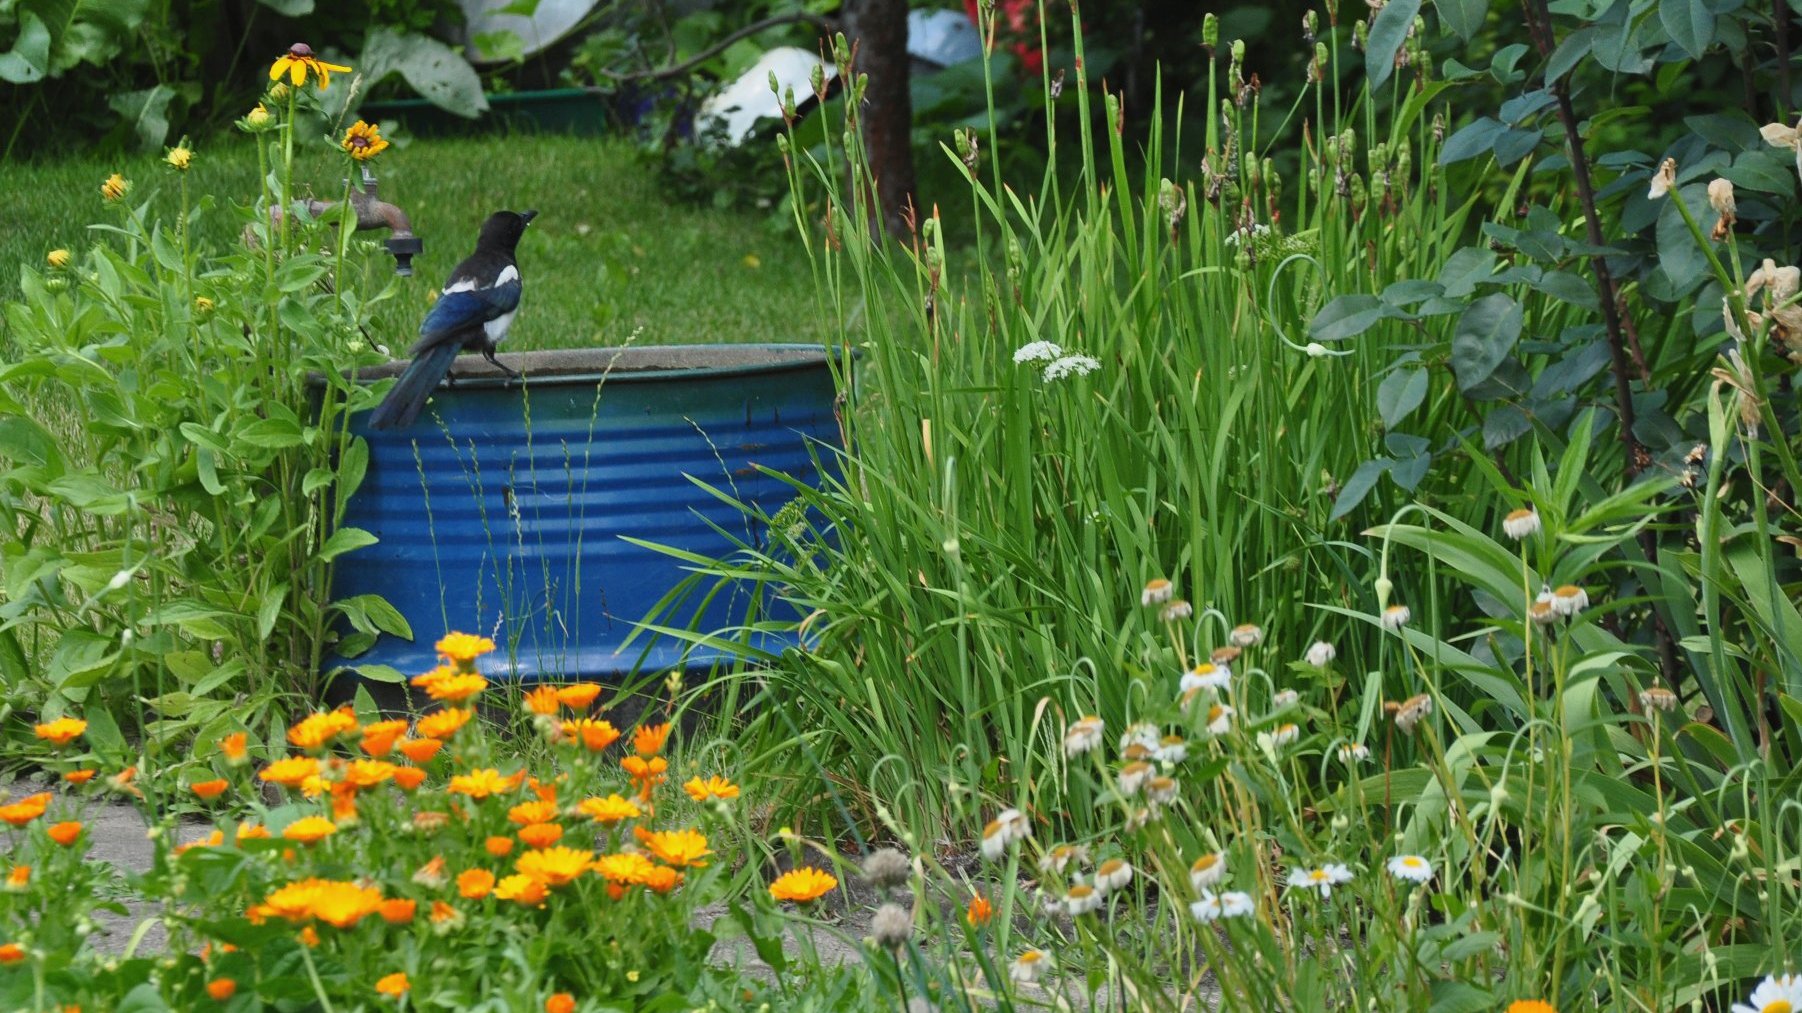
[{"x": 375, "y": 213}]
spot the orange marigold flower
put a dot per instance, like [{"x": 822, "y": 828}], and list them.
[
  {"x": 538, "y": 811},
  {"x": 309, "y": 937},
  {"x": 456, "y": 688},
  {"x": 309, "y": 829},
  {"x": 712, "y": 788},
  {"x": 594, "y": 735},
  {"x": 540, "y": 835},
  {"x": 11, "y": 953},
  {"x": 236, "y": 748},
  {"x": 290, "y": 771},
  {"x": 398, "y": 910},
  {"x": 212, "y": 840},
  {"x": 546, "y": 791},
  {"x": 554, "y": 866},
  {"x": 18, "y": 879},
  {"x": 442, "y": 912},
  {"x": 420, "y": 750},
  {"x": 521, "y": 889},
  {"x": 442, "y": 724},
  {"x": 625, "y": 869},
  {"x": 680, "y": 848},
  {"x": 1531, "y": 1006},
  {"x": 562, "y": 1002},
  {"x": 394, "y": 985},
  {"x": 498, "y": 846},
  {"x": 463, "y": 647},
  {"x": 292, "y": 902},
  {"x": 121, "y": 782},
  {"x": 430, "y": 821},
  {"x": 408, "y": 778},
  {"x": 647, "y": 774},
  {"x": 62, "y": 731},
  {"x": 316, "y": 730},
  {"x": 80, "y": 776},
  {"x": 209, "y": 790},
  {"x": 252, "y": 832},
  {"x": 479, "y": 784},
  {"x": 474, "y": 884},
  {"x": 432, "y": 873},
  {"x": 66, "y": 833},
  {"x": 343, "y": 905},
  {"x": 26, "y": 809},
  {"x": 802, "y": 885},
  {"x": 344, "y": 804},
  {"x": 661, "y": 879},
  {"x": 368, "y": 773},
  {"x": 380, "y": 737},
  {"x": 579, "y": 696},
  {"x": 979, "y": 912},
  {"x": 648, "y": 740},
  {"x": 611, "y": 809},
  {"x": 221, "y": 989},
  {"x": 542, "y": 700}
]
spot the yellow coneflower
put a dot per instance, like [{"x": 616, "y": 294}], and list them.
[
  {"x": 57, "y": 259},
  {"x": 115, "y": 188},
  {"x": 299, "y": 62},
  {"x": 363, "y": 141},
  {"x": 180, "y": 157}
]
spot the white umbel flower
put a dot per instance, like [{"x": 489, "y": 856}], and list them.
[
  {"x": 1778, "y": 993},
  {"x": 1208, "y": 871},
  {"x": 1213, "y": 907},
  {"x": 1395, "y": 617},
  {"x": 1412, "y": 868},
  {"x": 1070, "y": 365},
  {"x": 1320, "y": 879},
  {"x": 1037, "y": 351},
  {"x": 1111, "y": 875},
  {"x": 1083, "y": 735},
  {"x": 1206, "y": 675},
  {"x": 1028, "y": 967},
  {"x": 1321, "y": 654},
  {"x": 1521, "y": 524}
]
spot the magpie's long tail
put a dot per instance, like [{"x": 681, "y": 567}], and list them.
[{"x": 408, "y": 396}]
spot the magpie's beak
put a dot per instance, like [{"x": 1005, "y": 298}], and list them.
[{"x": 527, "y": 216}]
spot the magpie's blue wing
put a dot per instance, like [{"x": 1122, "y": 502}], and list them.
[{"x": 459, "y": 310}]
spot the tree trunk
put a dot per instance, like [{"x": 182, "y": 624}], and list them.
[{"x": 878, "y": 28}]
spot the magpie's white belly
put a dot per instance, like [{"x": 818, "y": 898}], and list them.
[{"x": 497, "y": 328}]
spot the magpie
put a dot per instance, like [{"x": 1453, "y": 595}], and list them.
[{"x": 473, "y": 312}]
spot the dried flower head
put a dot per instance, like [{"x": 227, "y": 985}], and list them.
[
  {"x": 1663, "y": 179},
  {"x": 891, "y": 926},
  {"x": 887, "y": 869}
]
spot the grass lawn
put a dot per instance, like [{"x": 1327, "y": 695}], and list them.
[{"x": 607, "y": 256}]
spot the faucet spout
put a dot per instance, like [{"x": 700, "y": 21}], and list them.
[{"x": 374, "y": 213}]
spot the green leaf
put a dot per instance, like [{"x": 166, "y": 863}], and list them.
[
  {"x": 352, "y": 466},
  {"x": 344, "y": 540},
  {"x": 272, "y": 434},
  {"x": 1462, "y": 17},
  {"x": 289, "y": 8},
  {"x": 270, "y": 610},
  {"x": 1569, "y": 54},
  {"x": 1358, "y": 486},
  {"x": 29, "y": 59},
  {"x": 148, "y": 113},
  {"x": 1387, "y": 33},
  {"x": 81, "y": 659},
  {"x": 1486, "y": 333},
  {"x": 1689, "y": 23},
  {"x": 1679, "y": 258},
  {"x": 381, "y": 673},
  {"x": 315, "y": 480},
  {"x": 1399, "y": 394},
  {"x": 1349, "y": 316},
  {"x": 433, "y": 69},
  {"x": 1460, "y": 997}
]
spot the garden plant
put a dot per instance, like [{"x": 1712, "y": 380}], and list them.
[{"x": 1336, "y": 554}]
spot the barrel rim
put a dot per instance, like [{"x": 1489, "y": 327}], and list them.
[{"x": 624, "y": 364}]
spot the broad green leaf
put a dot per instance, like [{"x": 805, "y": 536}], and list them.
[
  {"x": 1462, "y": 17},
  {"x": 1399, "y": 394},
  {"x": 1349, "y": 316},
  {"x": 1388, "y": 30},
  {"x": 81, "y": 659},
  {"x": 1689, "y": 23},
  {"x": 1679, "y": 258},
  {"x": 344, "y": 540},
  {"x": 1487, "y": 332},
  {"x": 29, "y": 59},
  {"x": 433, "y": 69},
  {"x": 1358, "y": 486},
  {"x": 148, "y": 113}
]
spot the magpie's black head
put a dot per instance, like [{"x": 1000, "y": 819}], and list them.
[{"x": 503, "y": 228}]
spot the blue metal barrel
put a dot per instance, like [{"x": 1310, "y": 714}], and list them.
[{"x": 503, "y": 510}]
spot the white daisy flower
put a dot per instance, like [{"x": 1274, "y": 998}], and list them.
[
  {"x": 1321, "y": 879},
  {"x": 1521, "y": 524},
  {"x": 1070, "y": 365},
  {"x": 1172, "y": 749},
  {"x": 1285, "y": 699},
  {"x": 1206, "y": 675},
  {"x": 1111, "y": 875},
  {"x": 1028, "y": 967},
  {"x": 1354, "y": 752},
  {"x": 1036, "y": 351},
  {"x": 1395, "y": 617},
  {"x": 1569, "y": 600},
  {"x": 1161, "y": 790},
  {"x": 1059, "y": 858},
  {"x": 1412, "y": 868},
  {"x": 1138, "y": 819},
  {"x": 1082, "y": 899},
  {"x": 1207, "y": 871},
  {"x": 1176, "y": 611},
  {"x": 1005, "y": 829},
  {"x": 1285, "y": 734},
  {"x": 1157, "y": 591},
  {"x": 1143, "y": 733},
  {"x": 1321, "y": 654},
  {"x": 1246, "y": 635},
  {"x": 1132, "y": 777},
  {"x": 1212, "y": 907},
  {"x": 1778, "y": 993},
  {"x": 1220, "y": 718},
  {"x": 1083, "y": 735}
]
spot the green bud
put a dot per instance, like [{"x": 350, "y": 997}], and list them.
[
  {"x": 1360, "y": 36},
  {"x": 1210, "y": 30},
  {"x": 817, "y": 78},
  {"x": 1310, "y": 26},
  {"x": 1238, "y": 50},
  {"x": 775, "y": 85}
]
